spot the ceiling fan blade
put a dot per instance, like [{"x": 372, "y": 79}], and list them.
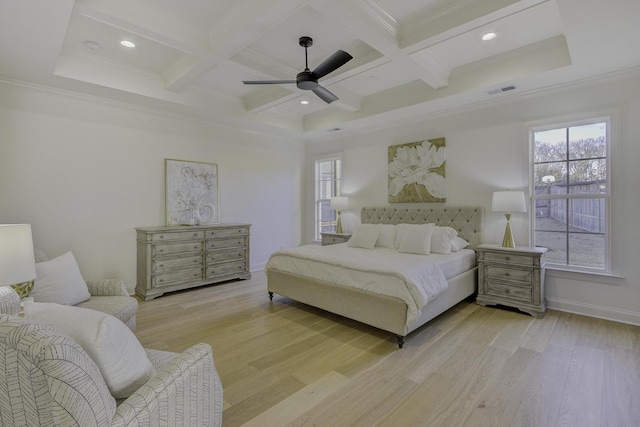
[
  {"x": 332, "y": 63},
  {"x": 267, "y": 82},
  {"x": 325, "y": 94}
]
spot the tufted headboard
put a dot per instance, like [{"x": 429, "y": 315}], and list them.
[{"x": 468, "y": 221}]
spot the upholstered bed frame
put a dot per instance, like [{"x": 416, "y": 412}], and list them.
[{"x": 380, "y": 311}]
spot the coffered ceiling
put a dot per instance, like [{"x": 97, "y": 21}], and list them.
[{"x": 411, "y": 58}]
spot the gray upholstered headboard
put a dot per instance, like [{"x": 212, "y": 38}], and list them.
[{"x": 468, "y": 221}]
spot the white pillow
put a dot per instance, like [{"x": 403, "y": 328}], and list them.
[
  {"x": 458, "y": 244},
  {"x": 364, "y": 236},
  {"x": 415, "y": 238},
  {"x": 441, "y": 239},
  {"x": 59, "y": 280},
  {"x": 387, "y": 236},
  {"x": 116, "y": 351}
]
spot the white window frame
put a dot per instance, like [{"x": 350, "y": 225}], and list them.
[
  {"x": 612, "y": 190},
  {"x": 335, "y": 190}
]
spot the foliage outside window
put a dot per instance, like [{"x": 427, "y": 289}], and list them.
[
  {"x": 328, "y": 178},
  {"x": 572, "y": 194}
]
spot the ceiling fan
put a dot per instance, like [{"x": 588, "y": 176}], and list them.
[{"x": 307, "y": 79}]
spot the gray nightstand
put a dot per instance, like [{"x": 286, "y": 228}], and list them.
[
  {"x": 334, "y": 238},
  {"x": 513, "y": 277}
]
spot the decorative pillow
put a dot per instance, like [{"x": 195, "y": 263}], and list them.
[
  {"x": 441, "y": 240},
  {"x": 59, "y": 281},
  {"x": 116, "y": 351},
  {"x": 364, "y": 236},
  {"x": 387, "y": 236},
  {"x": 415, "y": 238},
  {"x": 458, "y": 243}
]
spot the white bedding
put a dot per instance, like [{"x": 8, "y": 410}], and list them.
[{"x": 416, "y": 279}]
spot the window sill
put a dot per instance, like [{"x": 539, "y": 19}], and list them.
[{"x": 587, "y": 276}]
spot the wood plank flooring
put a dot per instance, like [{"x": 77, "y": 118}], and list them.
[{"x": 285, "y": 364}]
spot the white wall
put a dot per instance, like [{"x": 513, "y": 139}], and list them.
[
  {"x": 85, "y": 173},
  {"x": 487, "y": 150}
]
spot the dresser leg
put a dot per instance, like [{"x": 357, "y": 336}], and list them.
[{"x": 270, "y": 296}]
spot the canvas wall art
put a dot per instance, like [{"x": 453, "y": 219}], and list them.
[
  {"x": 417, "y": 172},
  {"x": 191, "y": 192}
]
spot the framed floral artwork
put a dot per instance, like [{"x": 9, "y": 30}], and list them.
[
  {"x": 417, "y": 172},
  {"x": 191, "y": 192}
]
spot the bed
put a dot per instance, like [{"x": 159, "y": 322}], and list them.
[{"x": 389, "y": 311}]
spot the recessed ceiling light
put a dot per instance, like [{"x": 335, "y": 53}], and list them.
[
  {"x": 304, "y": 102},
  {"x": 90, "y": 44},
  {"x": 127, "y": 43},
  {"x": 489, "y": 36}
]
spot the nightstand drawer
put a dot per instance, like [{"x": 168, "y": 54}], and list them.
[
  {"x": 513, "y": 292},
  {"x": 524, "y": 276},
  {"x": 508, "y": 258},
  {"x": 332, "y": 240}
]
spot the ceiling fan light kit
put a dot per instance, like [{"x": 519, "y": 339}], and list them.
[{"x": 307, "y": 79}]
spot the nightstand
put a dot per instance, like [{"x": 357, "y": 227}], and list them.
[
  {"x": 334, "y": 238},
  {"x": 513, "y": 277}
]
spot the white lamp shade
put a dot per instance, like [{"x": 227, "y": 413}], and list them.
[
  {"x": 17, "y": 262},
  {"x": 508, "y": 202},
  {"x": 340, "y": 203}
]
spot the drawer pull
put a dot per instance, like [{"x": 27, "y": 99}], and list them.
[
  {"x": 161, "y": 236},
  {"x": 507, "y": 274},
  {"x": 507, "y": 258},
  {"x": 160, "y": 265},
  {"x": 506, "y": 291},
  {"x": 161, "y": 250}
]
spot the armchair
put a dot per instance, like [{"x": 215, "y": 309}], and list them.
[
  {"x": 49, "y": 380},
  {"x": 107, "y": 295}
]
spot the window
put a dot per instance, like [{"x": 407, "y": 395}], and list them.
[
  {"x": 328, "y": 179},
  {"x": 572, "y": 194}
]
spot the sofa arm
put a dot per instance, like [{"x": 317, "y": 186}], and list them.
[
  {"x": 186, "y": 391},
  {"x": 107, "y": 288}
]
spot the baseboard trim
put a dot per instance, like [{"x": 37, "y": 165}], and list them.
[{"x": 600, "y": 312}]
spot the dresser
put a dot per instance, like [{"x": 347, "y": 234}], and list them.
[
  {"x": 512, "y": 277},
  {"x": 181, "y": 257},
  {"x": 334, "y": 238}
]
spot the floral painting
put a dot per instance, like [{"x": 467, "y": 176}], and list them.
[
  {"x": 191, "y": 192},
  {"x": 417, "y": 172}
]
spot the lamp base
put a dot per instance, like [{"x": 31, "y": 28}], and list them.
[
  {"x": 339, "y": 224},
  {"x": 23, "y": 289},
  {"x": 508, "y": 241}
]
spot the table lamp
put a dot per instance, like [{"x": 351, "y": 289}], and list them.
[
  {"x": 339, "y": 203},
  {"x": 17, "y": 265},
  {"x": 508, "y": 202}
]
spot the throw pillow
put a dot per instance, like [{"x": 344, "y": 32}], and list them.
[
  {"x": 458, "y": 244},
  {"x": 441, "y": 239},
  {"x": 59, "y": 281},
  {"x": 415, "y": 238},
  {"x": 116, "y": 351},
  {"x": 387, "y": 236},
  {"x": 364, "y": 236}
]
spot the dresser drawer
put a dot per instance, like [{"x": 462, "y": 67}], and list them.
[
  {"x": 170, "y": 278},
  {"x": 524, "y": 276},
  {"x": 228, "y": 232},
  {"x": 506, "y": 258},
  {"x": 213, "y": 257},
  {"x": 512, "y": 292},
  {"x": 171, "y": 263},
  {"x": 179, "y": 235},
  {"x": 225, "y": 243},
  {"x": 226, "y": 268},
  {"x": 176, "y": 248}
]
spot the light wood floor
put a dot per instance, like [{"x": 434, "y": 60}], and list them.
[{"x": 286, "y": 364}]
